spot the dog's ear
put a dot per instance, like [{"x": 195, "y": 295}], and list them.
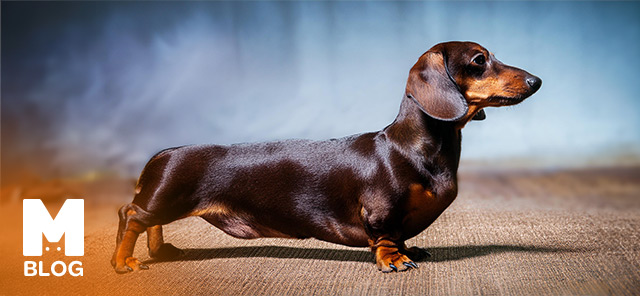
[{"x": 434, "y": 90}]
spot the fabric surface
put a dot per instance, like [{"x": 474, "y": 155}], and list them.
[{"x": 507, "y": 233}]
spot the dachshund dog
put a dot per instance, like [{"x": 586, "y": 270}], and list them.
[{"x": 371, "y": 190}]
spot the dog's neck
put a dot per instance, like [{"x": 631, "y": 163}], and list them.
[{"x": 430, "y": 144}]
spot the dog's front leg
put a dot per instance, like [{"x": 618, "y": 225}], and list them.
[{"x": 390, "y": 255}]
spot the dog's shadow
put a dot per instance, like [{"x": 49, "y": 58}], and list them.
[{"x": 438, "y": 254}]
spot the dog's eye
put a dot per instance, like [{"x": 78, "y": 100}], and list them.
[{"x": 479, "y": 60}]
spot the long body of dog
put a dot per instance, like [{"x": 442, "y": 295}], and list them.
[{"x": 372, "y": 190}]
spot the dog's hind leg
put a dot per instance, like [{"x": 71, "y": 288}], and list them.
[
  {"x": 157, "y": 248},
  {"x": 129, "y": 228},
  {"x": 134, "y": 221}
]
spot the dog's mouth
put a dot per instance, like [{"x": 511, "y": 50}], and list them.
[
  {"x": 515, "y": 96},
  {"x": 507, "y": 101}
]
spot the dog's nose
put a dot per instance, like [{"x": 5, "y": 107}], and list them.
[{"x": 534, "y": 82}]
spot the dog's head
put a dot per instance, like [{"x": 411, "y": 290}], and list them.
[{"x": 453, "y": 81}]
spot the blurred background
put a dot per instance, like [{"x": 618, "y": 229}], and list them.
[
  {"x": 549, "y": 199},
  {"x": 90, "y": 90}
]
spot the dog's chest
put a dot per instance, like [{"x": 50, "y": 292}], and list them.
[{"x": 423, "y": 206}]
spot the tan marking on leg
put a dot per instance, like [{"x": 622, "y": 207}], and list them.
[
  {"x": 154, "y": 239},
  {"x": 127, "y": 245},
  {"x": 131, "y": 212},
  {"x": 388, "y": 254},
  {"x": 215, "y": 209},
  {"x": 134, "y": 263}
]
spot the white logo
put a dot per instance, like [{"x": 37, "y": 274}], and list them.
[{"x": 37, "y": 221}]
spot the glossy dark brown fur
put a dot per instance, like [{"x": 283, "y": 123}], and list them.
[{"x": 369, "y": 190}]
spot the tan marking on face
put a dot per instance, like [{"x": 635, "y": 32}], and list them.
[
  {"x": 131, "y": 212},
  {"x": 480, "y": 90}
]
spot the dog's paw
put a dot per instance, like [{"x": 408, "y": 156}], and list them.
[
  {"x": 389, "y": 260},
  {"x": 166, "y": 252},
  {"x": 130, "y": 264}
]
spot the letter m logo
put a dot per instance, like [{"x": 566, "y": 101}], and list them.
[{"x": 37, "y": 221}]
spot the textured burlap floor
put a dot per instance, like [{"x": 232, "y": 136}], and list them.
[{"x": 510, "y": 233}]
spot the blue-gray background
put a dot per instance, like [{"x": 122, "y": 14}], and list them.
[{"x": 102, "y": 86}]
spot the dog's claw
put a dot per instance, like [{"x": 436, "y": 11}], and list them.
[
  {"x": 410, "y": 264},
  {"x": 393, "y": 267},
  {"x": 129, "y": 268},
  {"x": 142, "y": 266}
]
